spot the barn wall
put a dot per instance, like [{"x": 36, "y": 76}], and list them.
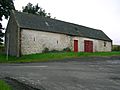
[
  {"x": 98, "y": 45},
  {"x": 35, "y": 41},
  {"x": 11, "y": 37}
]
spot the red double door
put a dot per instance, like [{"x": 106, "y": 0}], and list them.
[{"x": 88, "y": 46}]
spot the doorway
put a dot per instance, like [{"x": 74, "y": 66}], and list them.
[
  {"x": 75, "y": 45},
  {"x": 88, "y": 46}
]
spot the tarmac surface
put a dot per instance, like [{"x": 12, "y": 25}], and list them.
[{"x": 92, "y": 74}]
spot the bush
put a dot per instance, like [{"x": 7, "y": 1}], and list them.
[
  {"x": 45, "y": 50},
  {"x": 116, "y": 48},
  {"x": 2, "y": 49},
  {"x": 67, "y": 49},
  {"x": 54, "y": 51}
]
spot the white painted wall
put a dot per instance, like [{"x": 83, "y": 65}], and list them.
[
  {"x": 35, "y": 41},
  {"x": 98, "y": 45}
]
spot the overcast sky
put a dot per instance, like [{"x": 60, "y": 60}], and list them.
[{"x": 98, "y": 14}]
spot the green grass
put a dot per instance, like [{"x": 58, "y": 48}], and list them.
[
  {"x": 4, "y": 85},
  {"x": 53, "y": 56}
]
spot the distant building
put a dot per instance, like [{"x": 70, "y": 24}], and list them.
[{"x": 29, "y": 34}]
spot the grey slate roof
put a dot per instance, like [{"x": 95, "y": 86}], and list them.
[{"x": 36, "y": 22}]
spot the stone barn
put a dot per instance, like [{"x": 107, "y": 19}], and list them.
[{"x": 30, "y": 34}]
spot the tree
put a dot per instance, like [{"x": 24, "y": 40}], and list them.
[
  {"x": 5, "y": 7},
  {"x": 35, "y": 10}
]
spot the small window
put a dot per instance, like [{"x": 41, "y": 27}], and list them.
[
  {"x": 34, "y": 38},
  {"x": 104, "y": 44}
]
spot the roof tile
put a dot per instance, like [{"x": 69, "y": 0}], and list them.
[{"x": 37, "y": 22}]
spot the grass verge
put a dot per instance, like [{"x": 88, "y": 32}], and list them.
[
  {"x": 4, "y": 85},
  {"x": 43, "y": 57}
]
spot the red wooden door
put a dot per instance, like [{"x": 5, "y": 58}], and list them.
[
  {"x": 88, "y": 46},
  {"x": 75, "y": 45}
]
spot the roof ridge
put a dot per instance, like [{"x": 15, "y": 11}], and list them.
[{"x": 13, "y": 13}]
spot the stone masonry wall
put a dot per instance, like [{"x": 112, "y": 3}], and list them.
[
  {"x": 33, "y": 41},
  {"x": 11, "y": 37},
  {"x": 36, "y": 41}
]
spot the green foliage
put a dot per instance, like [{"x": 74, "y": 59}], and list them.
[
  {"x": 116, "y": 48},
  {"x": 2, "y": 49},
  {"x": 5, "y": 7},
  {"x": 4, "y": 85},
  {"x": 54, "y": 51},
  {"x": 67, "y": 49},
  {"x": 29, "y": 8},
  {"x": 46, "y": 50},
  {"x": 44, "y": 57}
]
